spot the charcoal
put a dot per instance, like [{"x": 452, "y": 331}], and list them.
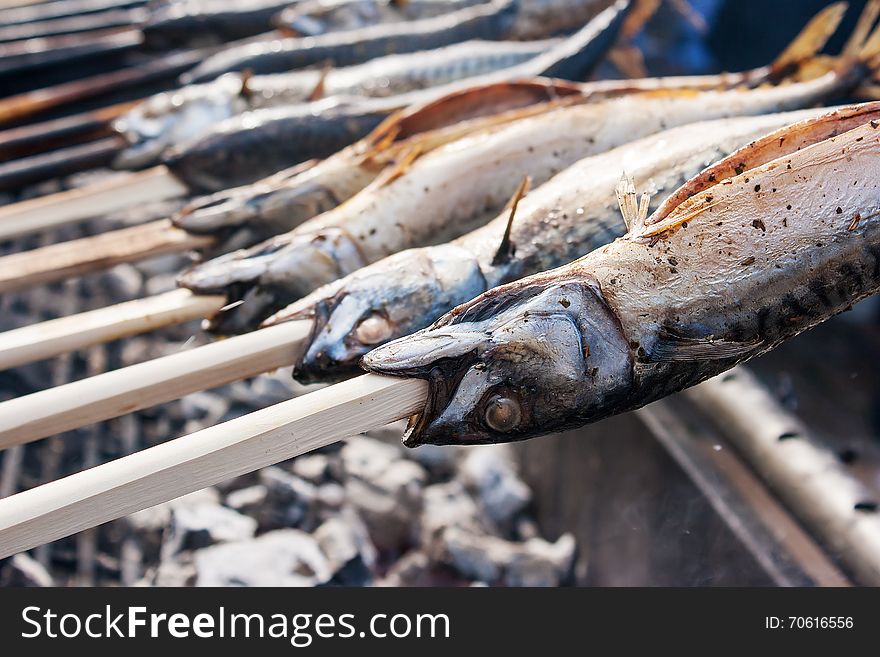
[
  {"x": 447, "y": 505},
  {"x": 285, "y": 557},
  {"x": 312, "y": 467},
  {"x": 490, "y": 472},
  {"x": 248, "y": 500},
  {"x": 349, "y": 551},
  {"x": 412, "y": 569},
  {"x": 22, "y": 570},
  {"x": 200, "y": 525},
  {"x": 289, "y": 502},
  {"x": 180, "y": 571},
  {"x": 385, "y": 488},
  {"x": 494, "y": 560}
]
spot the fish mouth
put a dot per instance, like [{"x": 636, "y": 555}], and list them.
[
  {"x": 318, "y": 363},
  {"x": 443, "y": 378}
]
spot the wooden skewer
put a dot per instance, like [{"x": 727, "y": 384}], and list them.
[
  {"x": 77, "y": 257},
  {"x": 116, "y": 193},
  {"x": 29, "y": 103},
  {"x": 66, "y": 334},
  {"x": 132, "y": 388},
  {"x": 35, "y": 138},
  {"x": 152, "y": 476},
  {"x": 55, "y": 164}
]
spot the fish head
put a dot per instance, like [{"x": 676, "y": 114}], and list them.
[
  {"x": 245, "y": 216},
  {"x": 177, "y": 116},
  {"x": 383, "y": 301},
  {"x": 518, "y": 361}
]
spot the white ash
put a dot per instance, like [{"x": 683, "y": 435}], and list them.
[{"x": 285, "y": 557}]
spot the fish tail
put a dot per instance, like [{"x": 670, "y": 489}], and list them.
[
  {"x": 867, "y": 47},
  {"x": 810, "y": 40},
  {"x": 862, "y": 49},
  {"x": 862, "y": 32}
]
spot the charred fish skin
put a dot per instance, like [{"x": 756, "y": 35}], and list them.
[
  {"x": 316, "y": 17},
  {"x": 489, "y": 21},
  {"x": 775, "y": 246},
  {"x": 570, "y": 215}
]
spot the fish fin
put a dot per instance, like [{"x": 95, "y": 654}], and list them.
[
  {"x": 664, "y": 226},
  {"x": 400, "y": 3},
  {"x": 634, "y": 211},
  {"x": 675, "y": 348},
  {"x": 693, "y": 18},
  {"x": 287, "y": 174},
  {"x": 862, "y": 30},
  {"x": 506, "y": 249},
  {"x": 318, "y": 92},
  {"x": 811, "y": 39},
  {"x": 400, "y": 167},
  {"x": 868, "y": 92},
  {"x": 639, "y": 15},
  {"x": 245, "y": 91},
  {"x": 381, "y": 138},
  {"x": 629, "y": 61}
]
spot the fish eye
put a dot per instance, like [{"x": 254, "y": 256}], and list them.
[
  {"x": 373, "y": 329},
  {"x": 502, "y": 413}
]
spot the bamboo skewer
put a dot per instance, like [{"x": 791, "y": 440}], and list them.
[
  {"x": 117, "y": 193},
  {"x": 53, "y": 164},
  {"x": 27, "y": 104},
  {"x": 36, "y": 138},
  {"x": 66, "y": 334},
  {"x": 132, "y": 388},
  {"x": 162, "y": 473},
  {"x": 77, "y": 257}
]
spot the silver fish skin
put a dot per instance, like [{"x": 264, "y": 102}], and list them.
[
  {"x": 67, "y": 8},
  {"x": 541, "y": 18},
  {"x": 194, "y": 23},
  {"x": 774, "y": 239},
  {"x": 570, "y": 215},
  {"x": 184, "y": 114},
  {"x": 245, "y": 148},
  {"x": 453, "y": 189},
  {"x": 485, "y": 21},
  {"x": 315, "y": 17}
]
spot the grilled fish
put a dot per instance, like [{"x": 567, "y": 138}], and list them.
[
  {"x": 485, "y": 21},
  {"x": 171, "y": 117},
  {"x": 243, "y": 216},
  {"x": 255, "y": 144},
  {"x": 283, "y": 201},
  {"x": 64, "y": 8},
  {"x": 315, "y": 17},
  {"x": 768, "y": 242},
  {"x": 453, "y": 189},
  {"x": 179, "y": 23},
  {"x": 570, "y": 215}
]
